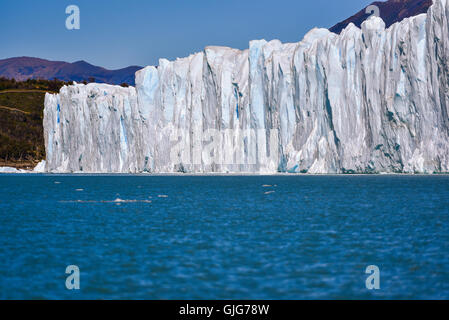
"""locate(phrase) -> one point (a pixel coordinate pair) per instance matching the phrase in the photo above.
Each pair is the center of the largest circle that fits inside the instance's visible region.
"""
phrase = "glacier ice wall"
(93, 128)
(369, 100)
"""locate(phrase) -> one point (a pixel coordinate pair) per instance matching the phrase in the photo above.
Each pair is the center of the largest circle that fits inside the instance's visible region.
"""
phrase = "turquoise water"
(257, 237)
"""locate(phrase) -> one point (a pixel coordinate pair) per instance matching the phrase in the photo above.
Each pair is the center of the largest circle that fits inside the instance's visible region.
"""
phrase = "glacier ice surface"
(40, 167)
(369, 100)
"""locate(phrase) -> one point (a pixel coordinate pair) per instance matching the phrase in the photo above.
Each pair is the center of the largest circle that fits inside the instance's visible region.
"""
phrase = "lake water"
(217, 237)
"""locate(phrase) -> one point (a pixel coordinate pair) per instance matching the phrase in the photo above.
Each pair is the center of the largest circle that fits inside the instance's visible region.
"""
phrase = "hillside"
(391, 11)
(21, 117)
(23, 68)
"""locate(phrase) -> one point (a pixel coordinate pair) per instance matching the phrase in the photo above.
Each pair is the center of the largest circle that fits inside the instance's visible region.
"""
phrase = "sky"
(118, 33)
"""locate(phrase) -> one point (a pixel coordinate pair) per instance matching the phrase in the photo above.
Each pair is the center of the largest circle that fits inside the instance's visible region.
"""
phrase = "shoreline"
(243, 174)
(20, 165)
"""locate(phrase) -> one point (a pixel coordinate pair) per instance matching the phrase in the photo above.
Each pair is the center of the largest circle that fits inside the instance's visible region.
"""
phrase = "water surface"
(218, 237)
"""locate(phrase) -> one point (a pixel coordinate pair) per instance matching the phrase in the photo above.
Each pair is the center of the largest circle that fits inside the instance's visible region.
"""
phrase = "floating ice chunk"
(116, 201)
(8, 170)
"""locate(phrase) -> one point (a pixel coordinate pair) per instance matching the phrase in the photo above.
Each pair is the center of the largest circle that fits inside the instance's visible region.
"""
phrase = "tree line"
(40, 84)
(32, 84)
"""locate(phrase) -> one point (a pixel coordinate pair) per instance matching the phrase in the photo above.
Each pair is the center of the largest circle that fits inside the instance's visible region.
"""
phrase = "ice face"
(369, 100)
(93, 128)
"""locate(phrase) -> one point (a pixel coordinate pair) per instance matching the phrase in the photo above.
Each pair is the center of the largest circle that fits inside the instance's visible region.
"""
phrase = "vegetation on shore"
(21, 118)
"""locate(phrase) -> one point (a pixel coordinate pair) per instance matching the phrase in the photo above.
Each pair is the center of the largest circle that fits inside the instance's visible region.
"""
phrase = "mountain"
(391, 11)
(369, 100)
(23, 68)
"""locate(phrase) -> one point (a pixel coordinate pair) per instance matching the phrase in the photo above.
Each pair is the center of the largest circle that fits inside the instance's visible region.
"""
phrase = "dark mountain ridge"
(391, 11)
(23, 68)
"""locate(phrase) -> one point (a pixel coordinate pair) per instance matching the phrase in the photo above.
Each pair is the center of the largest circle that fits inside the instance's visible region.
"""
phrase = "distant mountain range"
(391, 11)
(23, 68)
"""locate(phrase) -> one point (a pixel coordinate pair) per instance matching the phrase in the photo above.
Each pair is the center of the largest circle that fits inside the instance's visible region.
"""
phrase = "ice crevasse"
(369, 100)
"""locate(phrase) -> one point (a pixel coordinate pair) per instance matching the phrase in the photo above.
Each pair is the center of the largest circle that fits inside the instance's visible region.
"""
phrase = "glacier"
(369, 100)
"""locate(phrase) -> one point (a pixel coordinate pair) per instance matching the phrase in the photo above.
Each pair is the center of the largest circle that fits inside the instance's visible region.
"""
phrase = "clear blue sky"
(119, 33)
